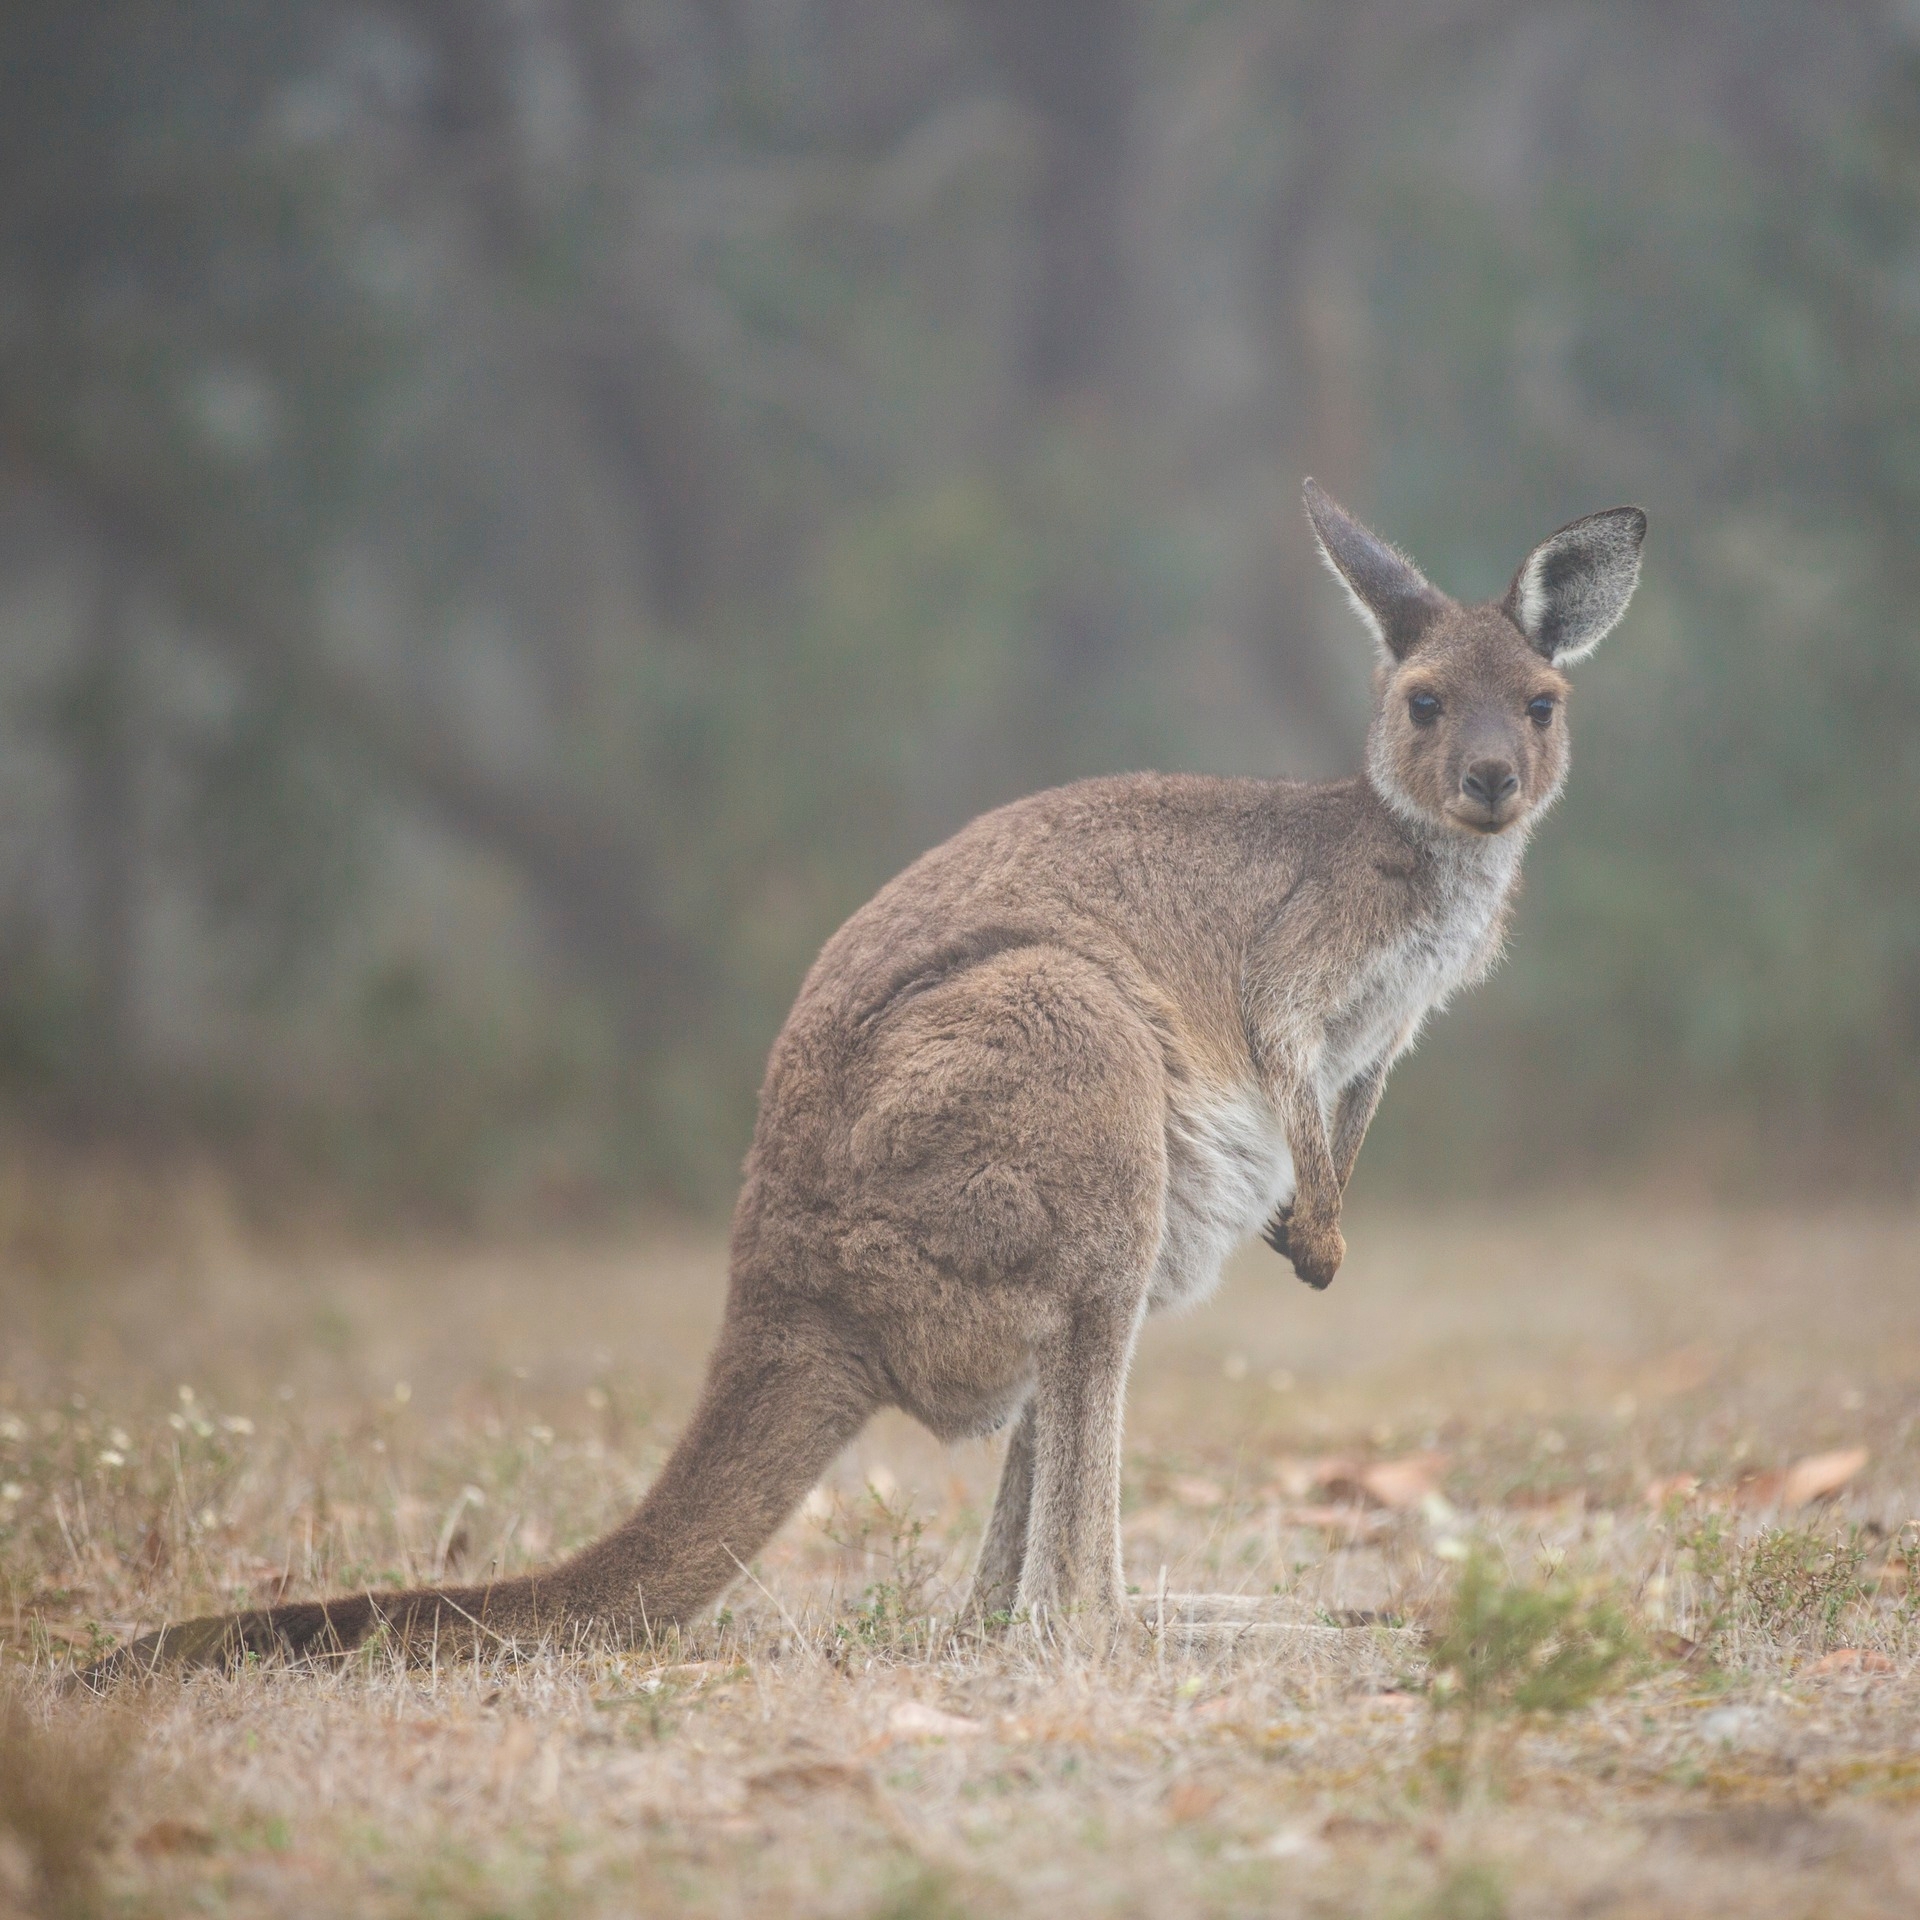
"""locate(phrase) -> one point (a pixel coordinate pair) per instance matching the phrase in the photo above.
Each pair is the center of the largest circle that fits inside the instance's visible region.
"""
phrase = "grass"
(1657, 1720)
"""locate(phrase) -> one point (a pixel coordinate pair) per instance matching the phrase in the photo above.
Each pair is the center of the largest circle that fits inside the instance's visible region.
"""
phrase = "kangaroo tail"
(780, 1401)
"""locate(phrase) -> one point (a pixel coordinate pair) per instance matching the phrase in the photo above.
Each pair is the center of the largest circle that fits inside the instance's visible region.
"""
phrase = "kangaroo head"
(1469, 734)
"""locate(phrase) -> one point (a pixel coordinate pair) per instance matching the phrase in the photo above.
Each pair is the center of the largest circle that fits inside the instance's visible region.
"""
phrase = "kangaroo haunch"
(1042, 1084)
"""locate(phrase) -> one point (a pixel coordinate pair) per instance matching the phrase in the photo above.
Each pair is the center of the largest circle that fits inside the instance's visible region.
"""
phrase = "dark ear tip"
(1321, 506)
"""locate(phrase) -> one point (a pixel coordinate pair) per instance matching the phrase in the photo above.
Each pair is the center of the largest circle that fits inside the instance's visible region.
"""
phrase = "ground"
(195, 1418)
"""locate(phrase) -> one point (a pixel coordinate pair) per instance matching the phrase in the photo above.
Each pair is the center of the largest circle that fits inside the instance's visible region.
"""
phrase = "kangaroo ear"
(1575, 585)
(1389, 593)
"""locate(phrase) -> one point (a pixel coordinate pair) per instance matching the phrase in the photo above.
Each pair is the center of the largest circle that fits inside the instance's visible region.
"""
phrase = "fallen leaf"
(1354, 1523)
(1352, 1826)
(1672, 1486)
(810, 1776)
(1853, 1660)
(1336, 1473)
(1679, 1372)
(1191, 1491)
(1405, 1482)
(1540, 1499)
(1395, 1484)
(1295, 1479)
(174, 1836)
(915, 1720)
(689, 1673)
(1192, 1800)
(1821, 1475)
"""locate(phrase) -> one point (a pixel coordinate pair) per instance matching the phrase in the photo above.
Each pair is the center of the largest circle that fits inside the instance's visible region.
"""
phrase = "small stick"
(1160, 1651)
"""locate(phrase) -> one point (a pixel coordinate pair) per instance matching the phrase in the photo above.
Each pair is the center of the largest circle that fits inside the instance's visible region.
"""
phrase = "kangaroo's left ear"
(1574, 586)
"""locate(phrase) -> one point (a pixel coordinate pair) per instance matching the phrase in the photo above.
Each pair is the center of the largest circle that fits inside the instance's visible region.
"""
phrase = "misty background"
(517, 515)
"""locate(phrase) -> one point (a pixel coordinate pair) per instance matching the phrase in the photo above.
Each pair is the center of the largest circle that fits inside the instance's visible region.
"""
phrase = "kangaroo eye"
(1540, 711)
(1423, 709)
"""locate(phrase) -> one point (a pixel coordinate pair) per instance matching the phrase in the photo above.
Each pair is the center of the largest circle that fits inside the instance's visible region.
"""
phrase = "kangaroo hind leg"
(1070, 1580)
(1003, 1553)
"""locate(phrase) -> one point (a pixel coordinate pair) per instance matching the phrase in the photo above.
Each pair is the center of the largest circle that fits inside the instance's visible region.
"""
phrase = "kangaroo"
(1041, 1085)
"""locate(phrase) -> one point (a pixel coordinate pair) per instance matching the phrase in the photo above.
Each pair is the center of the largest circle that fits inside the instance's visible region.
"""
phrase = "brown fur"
(1040, 1084)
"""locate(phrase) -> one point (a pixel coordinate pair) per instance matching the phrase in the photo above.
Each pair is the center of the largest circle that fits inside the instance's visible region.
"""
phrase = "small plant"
(895, 1608)
(1471, 1891)
(928, 1895)
(1783, 1583)
(1508, 1651)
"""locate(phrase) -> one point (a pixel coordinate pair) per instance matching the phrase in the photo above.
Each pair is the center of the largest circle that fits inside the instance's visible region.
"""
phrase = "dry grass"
(217, 1425)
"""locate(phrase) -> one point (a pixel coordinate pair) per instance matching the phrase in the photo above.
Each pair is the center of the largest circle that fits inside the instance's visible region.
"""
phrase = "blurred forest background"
(516, 515)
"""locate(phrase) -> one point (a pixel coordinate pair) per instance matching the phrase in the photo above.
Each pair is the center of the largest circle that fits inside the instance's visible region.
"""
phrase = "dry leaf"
(1192, 1491)
(1820, 1475)
(1212, 1712)
(1672, 1486)
(1397, 1698)
(688, 1673)
(1405, 1482)
(174, 1836)
(1192, 1800)
(1679, 1372)
(810, 1776)
(1853, 1660)
(914, 1720)
(1542, 1499)
(1295, 1479)
(1337, 1473)
(1353, 1826)
(1395, 1484)
(1355, 1523)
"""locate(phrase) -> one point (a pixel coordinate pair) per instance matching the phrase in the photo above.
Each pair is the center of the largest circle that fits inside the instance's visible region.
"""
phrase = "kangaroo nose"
(1491, 781)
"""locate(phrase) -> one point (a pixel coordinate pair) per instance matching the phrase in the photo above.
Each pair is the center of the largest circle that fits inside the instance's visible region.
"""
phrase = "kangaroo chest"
(1228, 1163)
(1445, 945)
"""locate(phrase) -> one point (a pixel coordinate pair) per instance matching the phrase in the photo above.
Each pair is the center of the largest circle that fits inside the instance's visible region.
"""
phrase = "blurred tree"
(557, 500)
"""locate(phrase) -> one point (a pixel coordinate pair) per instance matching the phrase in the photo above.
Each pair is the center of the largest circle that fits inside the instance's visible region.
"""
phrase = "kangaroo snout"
(1491, 782)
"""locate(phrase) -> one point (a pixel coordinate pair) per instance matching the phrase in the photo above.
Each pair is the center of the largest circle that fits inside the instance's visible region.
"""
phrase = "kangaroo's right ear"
(1389, 593)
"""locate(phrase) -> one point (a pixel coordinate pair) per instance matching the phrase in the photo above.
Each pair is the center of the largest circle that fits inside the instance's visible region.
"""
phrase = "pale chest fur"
(1446, 945)
(1228, 1163)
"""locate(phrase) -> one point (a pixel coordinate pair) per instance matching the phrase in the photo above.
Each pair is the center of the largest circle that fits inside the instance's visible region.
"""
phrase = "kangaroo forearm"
(1313, 1223)
(1316, 1182)
(1358, 1103)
